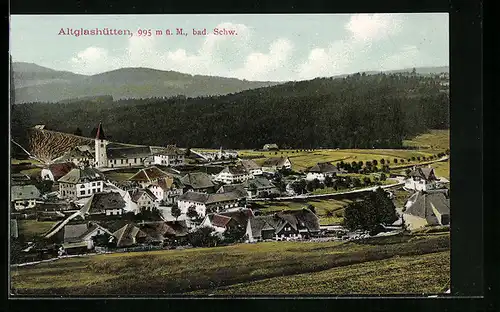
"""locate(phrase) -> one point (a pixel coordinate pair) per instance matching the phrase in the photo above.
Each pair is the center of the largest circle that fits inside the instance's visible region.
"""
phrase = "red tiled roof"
(220, 220)
(61, 169)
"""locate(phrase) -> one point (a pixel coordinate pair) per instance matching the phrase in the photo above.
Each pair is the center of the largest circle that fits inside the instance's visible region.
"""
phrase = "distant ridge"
(35, 83)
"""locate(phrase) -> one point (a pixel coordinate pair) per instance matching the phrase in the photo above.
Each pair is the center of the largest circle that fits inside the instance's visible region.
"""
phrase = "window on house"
(93, 183)
(82, 186)
(82, 193)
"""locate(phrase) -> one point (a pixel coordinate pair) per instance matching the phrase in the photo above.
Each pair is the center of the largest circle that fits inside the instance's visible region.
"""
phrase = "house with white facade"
(322, 170)
(270, 147)
(79, 155)
(144, 199)
(224, 221)
(233, 174)
(204, 203)
(109, 204)
(421, 179)
(24, 196)
(167, 189)
(169, 156)
(81, 182)
(271, 165)
(427, 208)
(252, 167)
(81, 235)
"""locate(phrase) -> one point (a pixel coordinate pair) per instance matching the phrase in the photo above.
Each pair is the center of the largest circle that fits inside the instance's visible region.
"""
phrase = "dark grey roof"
(324, 167)
(149, 174)
(423, 173)
(77, 232)
(100, 202)
(235, 170)
(167, 151)
(297, 219)
(422, 204)
(208, 198)
(78, 175)
(128, 152)
(197, 180)
(274, 161)
(23, 192)
(238, 189)
(250, 164)
(126, 235)
(258, 183)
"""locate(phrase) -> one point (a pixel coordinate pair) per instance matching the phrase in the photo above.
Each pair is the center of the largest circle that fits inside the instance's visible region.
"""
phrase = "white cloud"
(90, 60)
(259, 66)
(406, 57)
(364, 31)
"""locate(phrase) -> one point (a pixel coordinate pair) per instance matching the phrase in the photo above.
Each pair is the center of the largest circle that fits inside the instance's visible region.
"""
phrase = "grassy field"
(303, 160)
(438, 140)
(398, 275)
(321, 206)
(205, 270)
(31, 228)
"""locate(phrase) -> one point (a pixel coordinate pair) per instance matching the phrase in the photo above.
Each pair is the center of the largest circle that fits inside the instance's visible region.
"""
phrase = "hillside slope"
(360, 111)
(39, 84)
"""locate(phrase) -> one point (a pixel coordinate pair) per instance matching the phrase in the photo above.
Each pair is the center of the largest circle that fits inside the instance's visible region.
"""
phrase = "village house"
(147, 176)
(54, 172)
(79, 155)
(204, 203)
(169, 156)
(224, 221)
(259, 187)
(144, 199)
(167, 190)
(81, 182)
(322, 170)
(81, 235)
(109, 204)
(24, 196)
(233, 174)
(238, 189)
(252, 167)
(129, 235)
(159, 232)
(421, 179)
(270, 147)
(285, 225)
(427, 208)
(198, 182)
(219, 155)
(271, 165)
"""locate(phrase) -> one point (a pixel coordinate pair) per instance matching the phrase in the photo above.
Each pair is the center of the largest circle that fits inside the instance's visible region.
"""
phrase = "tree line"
(359, 111)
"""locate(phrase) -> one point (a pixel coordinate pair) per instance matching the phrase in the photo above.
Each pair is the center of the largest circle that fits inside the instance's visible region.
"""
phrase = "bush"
(204, 237)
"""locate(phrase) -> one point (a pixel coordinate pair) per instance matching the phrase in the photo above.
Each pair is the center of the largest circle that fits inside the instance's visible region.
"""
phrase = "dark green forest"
(359, 111)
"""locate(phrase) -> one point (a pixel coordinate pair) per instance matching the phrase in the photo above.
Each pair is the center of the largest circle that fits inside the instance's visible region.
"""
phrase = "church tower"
(101, 158)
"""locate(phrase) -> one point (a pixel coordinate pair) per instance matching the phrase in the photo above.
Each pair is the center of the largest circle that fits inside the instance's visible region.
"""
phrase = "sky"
(265, 47)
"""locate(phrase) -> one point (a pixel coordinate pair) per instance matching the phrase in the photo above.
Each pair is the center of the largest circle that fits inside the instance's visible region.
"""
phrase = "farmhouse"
(284, 225)
(427, 208)
(421, 179)
(109, 204)
(167, 189)
(251, 167)
(208, 202)
(56, 171)
(237, 189)
(233, 174)
(81, 182)
(270, 147)
(228, 220)
(198, 182)
(149, 175)
(24, 196)
(322, 170)
(169, 156)
(260, 187)
(271, 165)
(80, 235)
(143, 198)
(79, 155)
(129, 235)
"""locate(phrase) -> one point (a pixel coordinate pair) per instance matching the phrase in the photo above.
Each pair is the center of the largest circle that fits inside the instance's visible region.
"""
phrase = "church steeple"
(100, 133)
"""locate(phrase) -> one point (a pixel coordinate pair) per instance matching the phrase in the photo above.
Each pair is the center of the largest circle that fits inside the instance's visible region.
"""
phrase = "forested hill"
(37, 83)
(359, 111)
